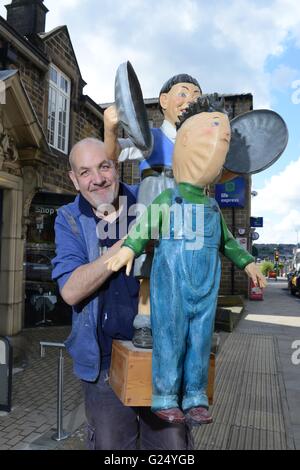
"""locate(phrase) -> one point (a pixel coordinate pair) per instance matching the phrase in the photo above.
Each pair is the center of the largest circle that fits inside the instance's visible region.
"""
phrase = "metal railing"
(60, 434)
(6, 365)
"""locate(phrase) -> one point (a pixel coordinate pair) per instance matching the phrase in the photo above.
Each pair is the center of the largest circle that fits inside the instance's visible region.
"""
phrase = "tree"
(266, 266)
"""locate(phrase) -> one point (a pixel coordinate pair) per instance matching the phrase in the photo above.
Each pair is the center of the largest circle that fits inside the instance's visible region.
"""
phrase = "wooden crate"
(130, 374)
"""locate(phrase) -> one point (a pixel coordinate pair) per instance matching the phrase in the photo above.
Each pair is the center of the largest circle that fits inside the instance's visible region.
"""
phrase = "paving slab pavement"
(279, 316)
(34, 392)
(257, 393)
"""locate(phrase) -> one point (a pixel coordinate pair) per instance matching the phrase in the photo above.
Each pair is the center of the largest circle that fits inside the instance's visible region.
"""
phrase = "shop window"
(43, 303)
(41, 226)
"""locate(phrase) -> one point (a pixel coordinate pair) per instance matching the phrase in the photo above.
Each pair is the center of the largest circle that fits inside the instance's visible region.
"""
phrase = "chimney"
(27, 17)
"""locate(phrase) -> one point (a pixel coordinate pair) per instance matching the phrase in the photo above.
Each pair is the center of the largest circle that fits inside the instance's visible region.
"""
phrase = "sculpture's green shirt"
(140, 234)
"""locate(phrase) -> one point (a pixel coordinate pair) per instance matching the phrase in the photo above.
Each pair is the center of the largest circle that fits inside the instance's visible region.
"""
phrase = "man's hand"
(124, 257)
(255, 274)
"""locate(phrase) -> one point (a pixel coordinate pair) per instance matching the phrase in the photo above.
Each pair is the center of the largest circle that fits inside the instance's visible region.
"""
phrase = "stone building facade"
(43, 112)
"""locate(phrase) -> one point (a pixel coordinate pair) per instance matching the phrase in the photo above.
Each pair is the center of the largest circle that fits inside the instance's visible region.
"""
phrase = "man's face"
(94, 175)
(178, 99)
(201, 147)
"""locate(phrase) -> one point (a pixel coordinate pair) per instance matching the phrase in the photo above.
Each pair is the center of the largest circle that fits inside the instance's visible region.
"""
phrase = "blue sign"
(256, 221)
(232, 193)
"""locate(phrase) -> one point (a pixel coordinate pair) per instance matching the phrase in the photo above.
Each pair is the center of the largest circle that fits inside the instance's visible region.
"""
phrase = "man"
(104, 303)
(156, 174)
(186, 268)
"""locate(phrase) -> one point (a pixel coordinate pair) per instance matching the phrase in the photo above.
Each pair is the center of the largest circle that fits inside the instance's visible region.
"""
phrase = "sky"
(230, 46)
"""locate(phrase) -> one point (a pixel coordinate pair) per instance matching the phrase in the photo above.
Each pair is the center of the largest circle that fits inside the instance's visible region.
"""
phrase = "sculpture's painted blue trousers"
(184, 289)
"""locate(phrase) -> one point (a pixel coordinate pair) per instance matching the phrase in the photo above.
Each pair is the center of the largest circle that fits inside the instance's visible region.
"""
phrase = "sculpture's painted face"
(178, 99)
(201, 147)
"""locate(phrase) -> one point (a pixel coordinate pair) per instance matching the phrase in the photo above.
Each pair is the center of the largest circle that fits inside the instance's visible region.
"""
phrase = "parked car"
(289, 275)
(272, 275)
(294, 283)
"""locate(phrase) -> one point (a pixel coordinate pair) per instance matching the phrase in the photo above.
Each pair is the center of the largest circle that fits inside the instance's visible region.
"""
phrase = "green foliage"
(266, 266)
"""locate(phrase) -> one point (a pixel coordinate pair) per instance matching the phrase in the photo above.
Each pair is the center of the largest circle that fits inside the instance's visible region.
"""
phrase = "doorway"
(43, 303)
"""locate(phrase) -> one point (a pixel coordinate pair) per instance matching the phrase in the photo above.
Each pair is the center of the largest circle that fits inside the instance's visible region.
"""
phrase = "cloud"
(224, 43)
(279, 201)
(281, 230)
(283, 77)
(281, 191)
(58, 11)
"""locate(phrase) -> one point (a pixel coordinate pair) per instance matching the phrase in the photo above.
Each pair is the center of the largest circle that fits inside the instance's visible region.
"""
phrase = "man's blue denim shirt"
(77, 244)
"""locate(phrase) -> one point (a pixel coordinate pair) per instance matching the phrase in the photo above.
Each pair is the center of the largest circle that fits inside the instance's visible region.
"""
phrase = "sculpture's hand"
(124, 257)
(111, 142)
(255, 274)
(111, 119)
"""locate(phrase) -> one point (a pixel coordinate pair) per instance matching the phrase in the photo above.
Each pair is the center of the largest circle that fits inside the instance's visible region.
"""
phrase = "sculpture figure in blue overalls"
(186, 270)
(156, 175)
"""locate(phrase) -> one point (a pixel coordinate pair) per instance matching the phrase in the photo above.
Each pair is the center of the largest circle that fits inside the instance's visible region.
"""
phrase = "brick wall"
(240, 219)
(83, 122)
(86, 125)
(155, 115)
(56, 173)
(59, 49)
(35, 83)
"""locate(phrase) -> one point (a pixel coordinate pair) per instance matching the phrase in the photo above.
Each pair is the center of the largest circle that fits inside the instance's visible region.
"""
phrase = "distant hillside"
(267, 250)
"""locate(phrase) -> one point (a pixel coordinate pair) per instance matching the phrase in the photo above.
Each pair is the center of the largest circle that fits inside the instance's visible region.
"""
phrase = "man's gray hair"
(81, 144)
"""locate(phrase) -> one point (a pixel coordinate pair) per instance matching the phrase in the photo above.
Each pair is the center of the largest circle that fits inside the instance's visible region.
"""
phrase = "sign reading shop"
(47, 210)
(232, 193)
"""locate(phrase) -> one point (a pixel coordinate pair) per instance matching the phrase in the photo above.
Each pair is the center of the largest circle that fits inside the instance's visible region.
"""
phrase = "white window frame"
(58, 130)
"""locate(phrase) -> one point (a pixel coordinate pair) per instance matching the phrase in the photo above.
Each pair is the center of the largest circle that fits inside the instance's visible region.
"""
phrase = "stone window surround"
(66, 95)
(12, 253)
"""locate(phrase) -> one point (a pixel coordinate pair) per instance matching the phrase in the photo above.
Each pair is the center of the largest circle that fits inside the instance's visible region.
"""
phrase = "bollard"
(6, 360)
(61, 434)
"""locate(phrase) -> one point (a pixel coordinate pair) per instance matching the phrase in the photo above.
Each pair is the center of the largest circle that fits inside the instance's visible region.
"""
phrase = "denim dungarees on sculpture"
(182, 315)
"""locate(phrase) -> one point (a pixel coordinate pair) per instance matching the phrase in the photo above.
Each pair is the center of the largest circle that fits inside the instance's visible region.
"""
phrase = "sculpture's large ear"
(258, 138)
(163, 100)
(131, 108)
